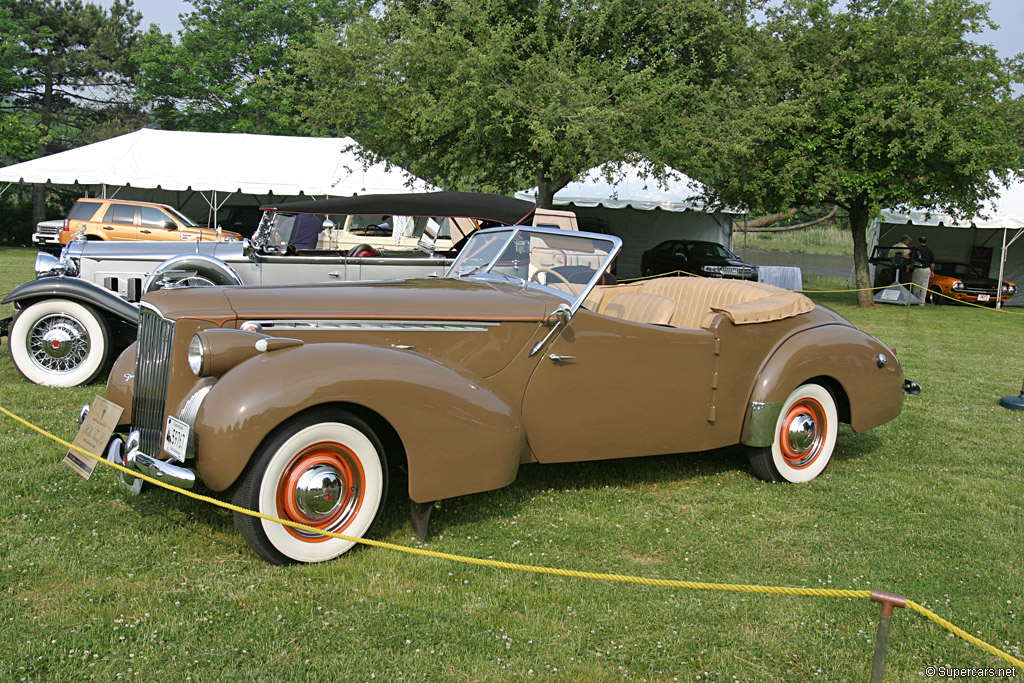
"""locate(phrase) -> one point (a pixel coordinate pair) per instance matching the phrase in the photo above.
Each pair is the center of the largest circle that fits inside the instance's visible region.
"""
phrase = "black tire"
(810, 411)
(937, 297)
(59, 343)
(338, 462)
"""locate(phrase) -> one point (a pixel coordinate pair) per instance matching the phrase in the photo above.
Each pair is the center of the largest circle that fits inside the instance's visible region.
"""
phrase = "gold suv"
(121, 220)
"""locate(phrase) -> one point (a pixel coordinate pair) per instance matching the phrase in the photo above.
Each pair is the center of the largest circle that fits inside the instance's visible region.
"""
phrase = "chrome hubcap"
(802, 432)
(58, 343)
(319, 492)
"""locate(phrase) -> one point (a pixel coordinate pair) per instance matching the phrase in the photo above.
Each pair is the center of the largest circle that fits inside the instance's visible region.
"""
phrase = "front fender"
(837, 355)
(459, 437)
(78, 290)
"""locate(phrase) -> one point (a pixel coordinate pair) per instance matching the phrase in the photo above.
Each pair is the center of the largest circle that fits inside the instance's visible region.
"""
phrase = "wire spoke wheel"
(58, 343)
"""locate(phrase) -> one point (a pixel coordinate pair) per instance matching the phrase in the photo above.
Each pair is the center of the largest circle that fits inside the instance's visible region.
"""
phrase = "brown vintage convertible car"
(298, 398)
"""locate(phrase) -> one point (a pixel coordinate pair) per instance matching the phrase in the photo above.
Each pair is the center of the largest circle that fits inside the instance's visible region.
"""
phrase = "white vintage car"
(82, 308)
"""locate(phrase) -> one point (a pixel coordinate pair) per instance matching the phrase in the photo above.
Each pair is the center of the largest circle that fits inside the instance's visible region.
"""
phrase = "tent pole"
(1002, 268)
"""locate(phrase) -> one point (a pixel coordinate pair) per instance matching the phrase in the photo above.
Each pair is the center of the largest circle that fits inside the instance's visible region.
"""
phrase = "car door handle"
(107, 227)
(335, 274)
(145, 232)
(558, 358)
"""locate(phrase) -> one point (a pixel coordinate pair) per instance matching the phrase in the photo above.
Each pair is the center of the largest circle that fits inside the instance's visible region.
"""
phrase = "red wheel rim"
(337, 503)
(803, 433)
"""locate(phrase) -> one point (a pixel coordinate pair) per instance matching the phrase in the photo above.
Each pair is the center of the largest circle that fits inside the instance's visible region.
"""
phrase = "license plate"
(176, 438)
(983, 297)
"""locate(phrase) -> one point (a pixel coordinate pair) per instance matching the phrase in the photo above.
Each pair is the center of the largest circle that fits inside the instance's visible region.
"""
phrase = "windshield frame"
(483, 271)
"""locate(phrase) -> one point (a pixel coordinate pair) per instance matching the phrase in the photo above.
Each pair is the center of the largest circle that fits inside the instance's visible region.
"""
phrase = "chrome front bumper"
(127, 454)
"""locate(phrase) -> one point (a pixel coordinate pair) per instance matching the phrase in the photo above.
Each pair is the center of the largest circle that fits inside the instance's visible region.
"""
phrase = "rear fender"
(458, 436)
(840, 357)
(74, 289)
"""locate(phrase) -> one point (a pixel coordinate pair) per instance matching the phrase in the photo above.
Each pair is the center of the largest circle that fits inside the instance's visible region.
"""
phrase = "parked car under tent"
(642, 211)
(990, 240)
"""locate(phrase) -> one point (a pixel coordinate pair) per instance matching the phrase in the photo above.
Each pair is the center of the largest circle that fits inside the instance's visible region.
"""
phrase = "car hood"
(420, 299)
(157, 250)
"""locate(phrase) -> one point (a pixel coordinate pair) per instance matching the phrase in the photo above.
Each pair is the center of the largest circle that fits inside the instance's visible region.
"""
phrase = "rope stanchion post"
(889, 601)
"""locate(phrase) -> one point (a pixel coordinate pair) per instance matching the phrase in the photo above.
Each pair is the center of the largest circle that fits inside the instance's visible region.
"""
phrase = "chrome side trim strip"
(759, 423)
(372, 325)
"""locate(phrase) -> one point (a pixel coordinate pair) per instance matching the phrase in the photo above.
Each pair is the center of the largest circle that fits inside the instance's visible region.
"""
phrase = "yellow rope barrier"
(535, 569)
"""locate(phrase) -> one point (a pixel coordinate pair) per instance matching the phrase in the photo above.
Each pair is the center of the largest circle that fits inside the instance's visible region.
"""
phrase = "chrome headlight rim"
(197, 355)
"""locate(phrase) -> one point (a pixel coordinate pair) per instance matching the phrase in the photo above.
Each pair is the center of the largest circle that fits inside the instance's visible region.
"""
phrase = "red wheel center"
(322, 487)
(803, 433)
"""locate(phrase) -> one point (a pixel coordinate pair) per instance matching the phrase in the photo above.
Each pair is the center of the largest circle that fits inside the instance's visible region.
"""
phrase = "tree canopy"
(64, 68)
(226, 71)
(886, 103)
(504, 94)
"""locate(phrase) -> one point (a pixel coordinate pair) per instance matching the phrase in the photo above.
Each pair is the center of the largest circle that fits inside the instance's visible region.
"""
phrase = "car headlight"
(957, 286)
(1009, 288)
(717, 270)
(196, 355)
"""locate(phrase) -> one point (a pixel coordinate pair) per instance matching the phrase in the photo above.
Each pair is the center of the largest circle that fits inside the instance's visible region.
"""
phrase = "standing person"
(922, 262)
(306, 231)
(900, 254)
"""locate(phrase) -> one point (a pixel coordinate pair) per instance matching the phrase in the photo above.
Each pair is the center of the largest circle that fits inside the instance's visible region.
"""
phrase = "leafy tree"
(64, 61)
(887, 103)
(502, 94)
(64, 64)
(225, 71)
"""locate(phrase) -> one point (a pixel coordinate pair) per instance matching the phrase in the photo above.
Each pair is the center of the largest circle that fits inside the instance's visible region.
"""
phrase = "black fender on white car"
(190, 270)
(65, 330)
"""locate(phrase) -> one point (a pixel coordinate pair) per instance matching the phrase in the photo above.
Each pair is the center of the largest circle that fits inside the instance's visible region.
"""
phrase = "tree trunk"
(859, 228)
(547, 186)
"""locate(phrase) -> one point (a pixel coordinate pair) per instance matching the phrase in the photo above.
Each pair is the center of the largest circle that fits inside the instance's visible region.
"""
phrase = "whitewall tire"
(58, 343)
(804, 438)
(325, 469)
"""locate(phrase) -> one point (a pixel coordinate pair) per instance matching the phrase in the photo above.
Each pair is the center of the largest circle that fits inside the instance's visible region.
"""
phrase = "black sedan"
(694, 257)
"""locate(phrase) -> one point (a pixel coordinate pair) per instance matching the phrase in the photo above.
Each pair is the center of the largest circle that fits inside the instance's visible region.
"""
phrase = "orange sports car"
(960, 281)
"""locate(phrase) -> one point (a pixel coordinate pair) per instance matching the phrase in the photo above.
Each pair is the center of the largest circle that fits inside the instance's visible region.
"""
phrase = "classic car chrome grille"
(152, 371)
(48, 229)
(978, 290)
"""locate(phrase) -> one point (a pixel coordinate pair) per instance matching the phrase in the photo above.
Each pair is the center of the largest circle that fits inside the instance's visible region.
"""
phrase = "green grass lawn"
(97, 583)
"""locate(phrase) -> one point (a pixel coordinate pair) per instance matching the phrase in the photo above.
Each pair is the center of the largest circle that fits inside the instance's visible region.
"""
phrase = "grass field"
(817, 239)
(96, 583)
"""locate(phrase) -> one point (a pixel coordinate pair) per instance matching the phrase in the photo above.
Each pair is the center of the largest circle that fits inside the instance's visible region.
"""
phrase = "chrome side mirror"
(328, 224)
(559, 318)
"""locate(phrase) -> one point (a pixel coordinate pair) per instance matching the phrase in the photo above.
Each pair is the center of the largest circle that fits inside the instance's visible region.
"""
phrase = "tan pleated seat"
(639, 307)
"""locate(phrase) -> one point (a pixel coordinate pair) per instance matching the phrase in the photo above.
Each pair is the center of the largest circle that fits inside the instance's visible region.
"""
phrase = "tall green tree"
(886, 103)
(502, 94)
(226, 70)
(66, 65)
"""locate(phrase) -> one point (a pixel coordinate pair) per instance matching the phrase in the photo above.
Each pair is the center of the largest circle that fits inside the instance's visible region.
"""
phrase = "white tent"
(641, 211)
(216, 166)
(984, 239)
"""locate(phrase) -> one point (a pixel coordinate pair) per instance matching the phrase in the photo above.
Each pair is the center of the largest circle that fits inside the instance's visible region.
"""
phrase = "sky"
(1009, 14)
